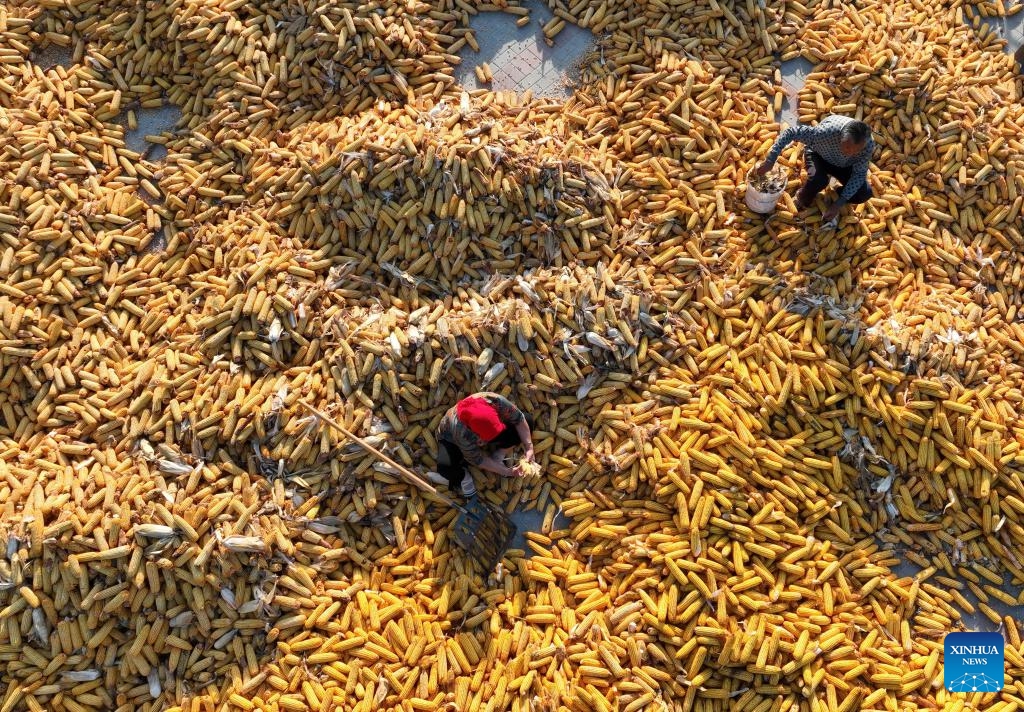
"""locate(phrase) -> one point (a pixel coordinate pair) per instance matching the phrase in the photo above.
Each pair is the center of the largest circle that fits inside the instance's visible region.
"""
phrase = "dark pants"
(823, 171)
(451, 463)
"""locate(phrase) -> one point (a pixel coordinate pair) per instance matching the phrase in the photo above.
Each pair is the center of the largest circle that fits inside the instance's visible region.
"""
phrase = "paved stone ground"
(976, 621)
(519, 58)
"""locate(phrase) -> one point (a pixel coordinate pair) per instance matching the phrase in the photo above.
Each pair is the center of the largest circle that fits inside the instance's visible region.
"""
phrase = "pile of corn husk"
(747, 424)
(773, 181)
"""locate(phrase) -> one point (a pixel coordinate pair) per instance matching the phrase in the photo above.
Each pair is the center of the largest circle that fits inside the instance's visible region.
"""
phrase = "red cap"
(480, 416)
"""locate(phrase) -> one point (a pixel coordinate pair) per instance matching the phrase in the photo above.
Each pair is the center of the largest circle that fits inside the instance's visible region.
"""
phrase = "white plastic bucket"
(762, 202)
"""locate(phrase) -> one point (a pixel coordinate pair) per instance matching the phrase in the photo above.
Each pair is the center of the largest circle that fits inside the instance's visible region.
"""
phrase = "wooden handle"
(411, 476)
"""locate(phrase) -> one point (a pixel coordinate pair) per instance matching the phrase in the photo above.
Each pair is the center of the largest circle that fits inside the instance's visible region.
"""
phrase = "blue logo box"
(973, 662)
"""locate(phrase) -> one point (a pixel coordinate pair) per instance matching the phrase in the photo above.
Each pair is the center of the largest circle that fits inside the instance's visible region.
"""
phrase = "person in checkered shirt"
(838, 147)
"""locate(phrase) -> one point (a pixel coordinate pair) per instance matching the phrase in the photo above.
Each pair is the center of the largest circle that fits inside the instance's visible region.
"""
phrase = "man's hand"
(529, 452)
(762, 168)
(832, 213)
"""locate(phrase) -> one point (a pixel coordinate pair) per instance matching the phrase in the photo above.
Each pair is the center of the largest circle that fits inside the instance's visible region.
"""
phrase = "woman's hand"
(525, 437)
(493, 464)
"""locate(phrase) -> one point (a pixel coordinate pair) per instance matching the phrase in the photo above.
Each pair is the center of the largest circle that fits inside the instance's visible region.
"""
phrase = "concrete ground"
(151, 122)
(51, 56)
(1010, 28)
(519, 58)
(794, 74)
(532, 521)
(976, 621)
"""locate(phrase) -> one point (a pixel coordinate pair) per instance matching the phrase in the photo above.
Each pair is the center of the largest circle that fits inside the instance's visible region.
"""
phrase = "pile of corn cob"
(747, 423)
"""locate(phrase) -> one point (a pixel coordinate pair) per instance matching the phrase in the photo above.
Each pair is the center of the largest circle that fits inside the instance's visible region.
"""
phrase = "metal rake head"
(484, 532)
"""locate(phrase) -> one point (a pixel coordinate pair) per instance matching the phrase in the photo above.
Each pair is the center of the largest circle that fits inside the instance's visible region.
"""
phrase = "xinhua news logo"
(973, 662)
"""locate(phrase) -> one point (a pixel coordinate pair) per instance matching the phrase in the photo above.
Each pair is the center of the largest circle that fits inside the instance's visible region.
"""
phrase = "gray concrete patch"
(157, 153)
(1009, 28)
(532, 521)
(794, 74)
(151, 122)
(788, 116)
(976, 621)
(51, 56)
(158, 243)
(519, 58)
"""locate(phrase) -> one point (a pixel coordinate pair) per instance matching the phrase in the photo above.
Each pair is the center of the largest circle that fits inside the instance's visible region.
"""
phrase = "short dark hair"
(857, 131)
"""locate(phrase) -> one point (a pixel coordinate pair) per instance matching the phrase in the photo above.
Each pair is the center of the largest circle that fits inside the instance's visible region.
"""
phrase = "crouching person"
(481, 430)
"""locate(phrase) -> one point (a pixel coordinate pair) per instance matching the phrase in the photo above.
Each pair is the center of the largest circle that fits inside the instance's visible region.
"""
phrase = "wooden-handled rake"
(482, 530)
